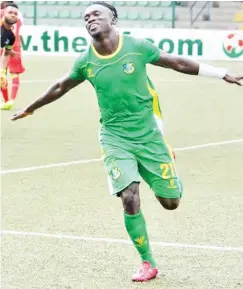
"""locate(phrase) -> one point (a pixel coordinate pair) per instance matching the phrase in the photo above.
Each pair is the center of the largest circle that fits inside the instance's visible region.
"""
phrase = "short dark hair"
(12, 5)
(109, 6)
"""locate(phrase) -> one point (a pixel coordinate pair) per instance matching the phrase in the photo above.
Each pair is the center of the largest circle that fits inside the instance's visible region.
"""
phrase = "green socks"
(136, 228)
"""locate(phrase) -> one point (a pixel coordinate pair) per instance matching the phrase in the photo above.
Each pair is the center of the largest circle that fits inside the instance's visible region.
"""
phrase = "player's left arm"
(188, 66)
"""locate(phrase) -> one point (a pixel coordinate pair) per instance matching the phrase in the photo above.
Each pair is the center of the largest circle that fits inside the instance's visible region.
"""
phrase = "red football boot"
(145, 273)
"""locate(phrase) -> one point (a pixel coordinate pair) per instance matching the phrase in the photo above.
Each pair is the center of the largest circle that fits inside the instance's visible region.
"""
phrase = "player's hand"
(3, 78)
(20, 114)
(234, 79)
(3, 81)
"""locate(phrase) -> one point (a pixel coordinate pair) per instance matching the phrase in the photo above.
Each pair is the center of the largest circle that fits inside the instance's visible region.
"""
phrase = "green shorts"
(126, 162)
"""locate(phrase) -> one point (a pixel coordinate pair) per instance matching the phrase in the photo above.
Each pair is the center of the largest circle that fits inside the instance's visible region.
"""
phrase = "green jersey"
(127, 101)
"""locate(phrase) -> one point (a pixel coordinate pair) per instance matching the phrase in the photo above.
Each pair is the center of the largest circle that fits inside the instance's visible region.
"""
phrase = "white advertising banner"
(199, 44)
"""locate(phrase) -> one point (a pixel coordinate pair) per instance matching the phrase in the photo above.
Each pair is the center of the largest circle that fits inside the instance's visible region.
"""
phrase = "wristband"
(211, 71)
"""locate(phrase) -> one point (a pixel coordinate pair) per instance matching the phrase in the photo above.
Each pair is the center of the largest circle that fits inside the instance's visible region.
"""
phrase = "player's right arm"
(56, 90)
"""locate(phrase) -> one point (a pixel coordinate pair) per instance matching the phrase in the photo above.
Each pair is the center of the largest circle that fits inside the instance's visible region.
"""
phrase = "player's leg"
(130, 199)
(157, 168)
(167, 203)
(122, 169)
(135, 223)
(15, 68)
(15, 85)
(136, 227)
(4, 83)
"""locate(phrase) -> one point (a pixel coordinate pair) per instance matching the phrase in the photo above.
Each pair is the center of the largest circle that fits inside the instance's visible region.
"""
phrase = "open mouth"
(93, 26)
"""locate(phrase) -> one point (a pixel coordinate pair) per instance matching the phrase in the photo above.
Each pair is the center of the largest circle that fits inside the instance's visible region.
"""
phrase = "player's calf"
(15, 85)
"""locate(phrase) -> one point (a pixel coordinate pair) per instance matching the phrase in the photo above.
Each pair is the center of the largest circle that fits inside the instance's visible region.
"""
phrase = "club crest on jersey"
(90, 73)
(128, 67)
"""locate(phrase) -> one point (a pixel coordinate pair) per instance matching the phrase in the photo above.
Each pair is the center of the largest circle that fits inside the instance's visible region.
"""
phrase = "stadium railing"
(206, 6)
(70, 13)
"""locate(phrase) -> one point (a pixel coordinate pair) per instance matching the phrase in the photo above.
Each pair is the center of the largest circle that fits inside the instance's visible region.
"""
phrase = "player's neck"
(107, 44)
(6, 25)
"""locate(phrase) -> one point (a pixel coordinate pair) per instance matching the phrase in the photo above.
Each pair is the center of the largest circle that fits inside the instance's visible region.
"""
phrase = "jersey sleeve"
(77, 71)
(149, 51)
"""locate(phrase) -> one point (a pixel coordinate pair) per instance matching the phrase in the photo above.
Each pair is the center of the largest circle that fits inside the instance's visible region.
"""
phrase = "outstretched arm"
(54, 92)
(192, 67)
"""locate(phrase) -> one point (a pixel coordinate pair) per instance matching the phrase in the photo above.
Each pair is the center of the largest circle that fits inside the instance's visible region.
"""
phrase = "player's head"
(11, 13)
(99, 18)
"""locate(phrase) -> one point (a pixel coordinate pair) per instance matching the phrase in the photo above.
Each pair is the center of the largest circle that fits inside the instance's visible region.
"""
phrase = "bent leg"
(157, 168)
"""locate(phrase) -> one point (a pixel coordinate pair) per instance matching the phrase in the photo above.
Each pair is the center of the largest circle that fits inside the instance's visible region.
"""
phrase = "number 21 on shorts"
(168, 173)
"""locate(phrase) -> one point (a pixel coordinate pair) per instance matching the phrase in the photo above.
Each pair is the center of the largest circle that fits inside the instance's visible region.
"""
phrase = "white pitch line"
(120, 241)
(65, 164)
(212, 144)
(35, 168)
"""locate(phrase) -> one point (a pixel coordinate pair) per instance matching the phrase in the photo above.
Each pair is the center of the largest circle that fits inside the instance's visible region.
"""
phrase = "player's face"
(98, 20)
(11, 15)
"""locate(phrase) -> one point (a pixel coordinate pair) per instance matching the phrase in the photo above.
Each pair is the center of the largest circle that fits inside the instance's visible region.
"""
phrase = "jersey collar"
(111, 55)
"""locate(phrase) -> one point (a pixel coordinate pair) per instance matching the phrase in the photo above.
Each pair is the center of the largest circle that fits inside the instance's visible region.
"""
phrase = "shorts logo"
(128, 68)
(115, 174)
(172, 184)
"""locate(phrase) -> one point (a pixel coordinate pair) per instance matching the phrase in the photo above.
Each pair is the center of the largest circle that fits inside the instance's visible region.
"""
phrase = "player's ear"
(113, 21)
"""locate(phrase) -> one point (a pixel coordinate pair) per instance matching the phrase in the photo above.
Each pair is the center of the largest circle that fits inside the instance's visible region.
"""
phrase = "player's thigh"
(157, 168)
(121, 167)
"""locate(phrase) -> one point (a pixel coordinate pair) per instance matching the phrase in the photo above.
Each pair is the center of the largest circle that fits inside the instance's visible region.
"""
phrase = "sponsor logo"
(233, 45)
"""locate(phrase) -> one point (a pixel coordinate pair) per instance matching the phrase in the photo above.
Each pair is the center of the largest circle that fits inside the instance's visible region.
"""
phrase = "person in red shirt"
(15, 66)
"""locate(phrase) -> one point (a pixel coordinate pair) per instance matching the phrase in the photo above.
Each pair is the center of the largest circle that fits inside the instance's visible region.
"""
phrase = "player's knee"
(130, 199)
(169, 204)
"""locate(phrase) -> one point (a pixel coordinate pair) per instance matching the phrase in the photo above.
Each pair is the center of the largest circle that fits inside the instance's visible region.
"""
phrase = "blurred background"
(147, 14)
